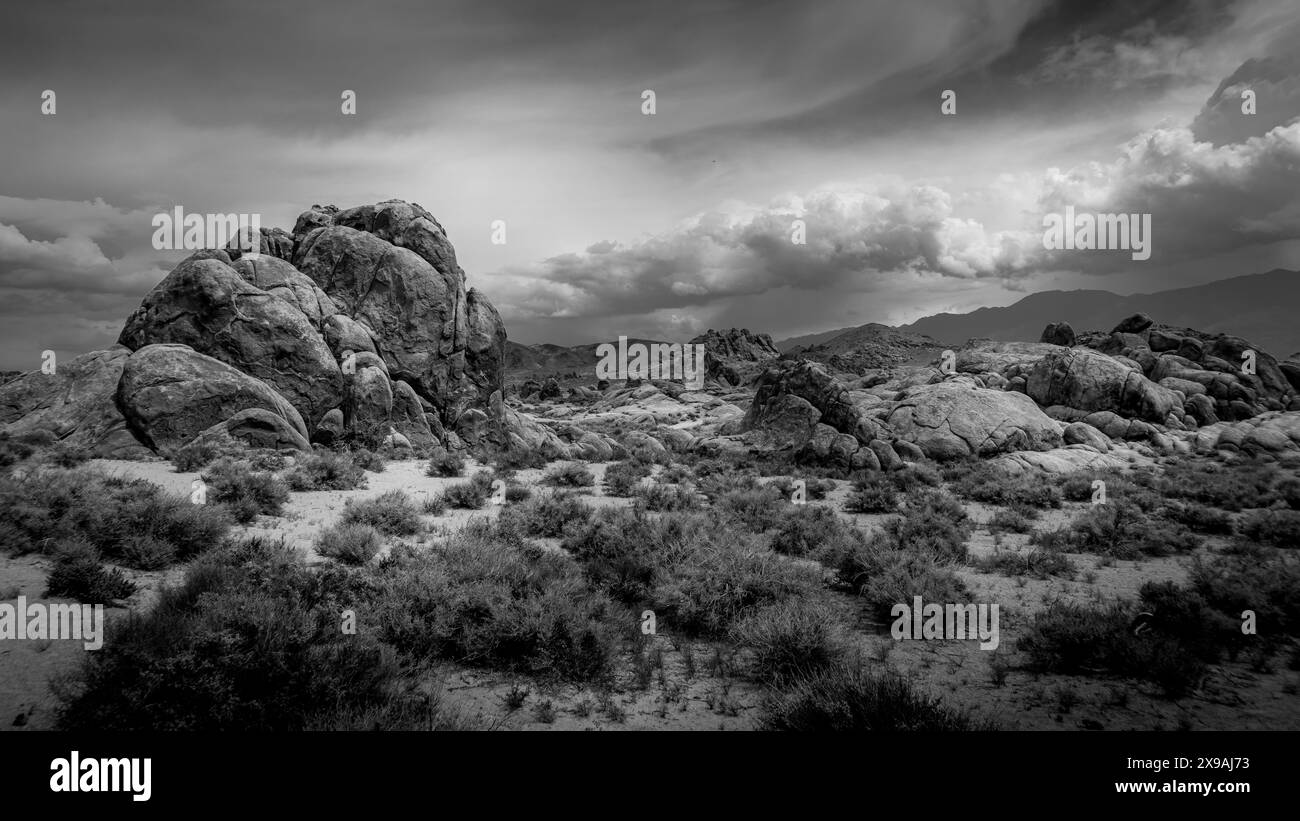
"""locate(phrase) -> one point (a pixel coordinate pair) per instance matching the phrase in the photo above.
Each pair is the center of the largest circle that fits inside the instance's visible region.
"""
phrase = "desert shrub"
(913, 477)
(932, 524)
(617, 549)
(353, 544)
(518, 493)
(1280, 528)
(815, 488)
(1135, 488)
(1198, 518)
(1072, 638)
(196, 455)
(1288, 492)
(391, 512)
(434, 504)
(445, 463)
(246, 491)
(757, 510)
(66, 455)
(482, 603)
(465, 495)
(78, 574)
(716, 485)
(795, 637)
(249, 642)
(147, 552)
(872, 494)
(1041, 564)
(1208, 483)
(569, 474)
(621, 478)
(986, 482)
(675, 474)
(717, 578)
(110, 513)
(1121, 529)
(1011, 520)
(1174, 651)
(371, 460)
(847, 698)
(546, 515)
(894, 577)
(1265, 580)
(724, 465)
(327, 470)
(666, 498)
(805, 529)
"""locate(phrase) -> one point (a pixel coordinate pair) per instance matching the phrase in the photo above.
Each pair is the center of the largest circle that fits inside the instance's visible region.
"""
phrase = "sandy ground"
(697, 685)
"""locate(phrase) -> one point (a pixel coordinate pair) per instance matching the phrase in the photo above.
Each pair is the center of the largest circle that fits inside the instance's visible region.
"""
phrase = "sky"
(663, 224)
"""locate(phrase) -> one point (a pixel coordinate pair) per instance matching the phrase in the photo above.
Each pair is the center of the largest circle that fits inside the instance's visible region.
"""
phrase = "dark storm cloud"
(767, 112)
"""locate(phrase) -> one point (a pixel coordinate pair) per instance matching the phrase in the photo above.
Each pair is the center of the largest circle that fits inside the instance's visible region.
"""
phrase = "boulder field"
(358, 325)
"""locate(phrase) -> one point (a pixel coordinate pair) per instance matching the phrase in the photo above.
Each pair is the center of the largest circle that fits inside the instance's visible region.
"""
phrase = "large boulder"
(809, 381)
(1091, 381)
(255, 428)
(735, 356)
(170, 394)
(368, 400)
(207, 306)
(1004, 358)
(784, 421)
(77, 403)
(1058, 333)
(956, 419)
(390, 267)
(281, 280)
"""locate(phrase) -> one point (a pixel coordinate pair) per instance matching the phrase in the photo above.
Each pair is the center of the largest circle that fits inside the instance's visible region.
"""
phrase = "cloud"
(853, 238)
(1204, 199)
(1140, 55)
(1275, 82)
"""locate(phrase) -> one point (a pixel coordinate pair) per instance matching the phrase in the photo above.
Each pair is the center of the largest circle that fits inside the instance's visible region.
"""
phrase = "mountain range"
(1257, 307)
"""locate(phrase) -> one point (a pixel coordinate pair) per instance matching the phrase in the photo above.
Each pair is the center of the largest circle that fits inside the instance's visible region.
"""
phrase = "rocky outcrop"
(811, 382)
(77, 403)
(256, 428)
(1091, 381)
(956, 419)
(391, 268)
(735, 356)
(357, 323)
(1058, 333)
(170, 394)
(1273, 435)
(206, 305)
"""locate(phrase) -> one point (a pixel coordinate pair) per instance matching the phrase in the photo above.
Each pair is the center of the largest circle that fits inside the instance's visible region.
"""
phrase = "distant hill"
(1257, 307)
(871, 346)
(543, 359)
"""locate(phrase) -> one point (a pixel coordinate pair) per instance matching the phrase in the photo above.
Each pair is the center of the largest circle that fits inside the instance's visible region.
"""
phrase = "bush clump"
(327, 470)
(847, 698)
(444, 463)
(353, 544)
(622, 478)
(391, 512)
(247, 492)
